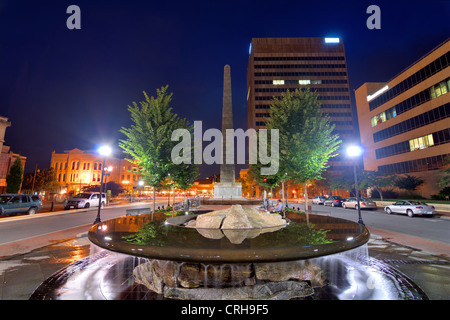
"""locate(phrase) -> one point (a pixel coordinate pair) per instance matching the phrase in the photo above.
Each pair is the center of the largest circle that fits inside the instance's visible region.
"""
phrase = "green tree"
(184, 174)
(373, 179)
(408, 182)
(149, 139)
(14, 177)
(444, 181)
(307, 140)
(43, 180)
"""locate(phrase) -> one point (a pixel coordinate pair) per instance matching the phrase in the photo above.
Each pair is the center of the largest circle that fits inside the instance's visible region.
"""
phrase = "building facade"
(279, 64)
(7, 157)
(404, 123)
(76, 169)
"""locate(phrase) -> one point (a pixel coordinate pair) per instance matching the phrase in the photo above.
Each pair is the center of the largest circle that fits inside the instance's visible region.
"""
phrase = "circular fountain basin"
(306, 236)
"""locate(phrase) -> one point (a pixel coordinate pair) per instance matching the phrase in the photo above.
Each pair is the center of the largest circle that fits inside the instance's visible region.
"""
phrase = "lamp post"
(103, 151)
(354, 152)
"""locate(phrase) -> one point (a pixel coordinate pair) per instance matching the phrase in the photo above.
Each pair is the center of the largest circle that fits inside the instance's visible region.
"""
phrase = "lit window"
(277, 82)
(421, 142)
(304, 82)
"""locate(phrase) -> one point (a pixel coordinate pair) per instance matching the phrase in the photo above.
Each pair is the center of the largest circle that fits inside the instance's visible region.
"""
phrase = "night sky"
(65, 89)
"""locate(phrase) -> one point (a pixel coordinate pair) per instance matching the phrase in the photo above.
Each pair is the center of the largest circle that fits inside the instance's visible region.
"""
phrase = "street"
(21, 227)
(430, 228)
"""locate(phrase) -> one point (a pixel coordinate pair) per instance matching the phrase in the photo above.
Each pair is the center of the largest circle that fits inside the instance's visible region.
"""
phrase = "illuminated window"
(439, 89)
(382, 117)
(304, 82)
(421, 143)
(277, 82)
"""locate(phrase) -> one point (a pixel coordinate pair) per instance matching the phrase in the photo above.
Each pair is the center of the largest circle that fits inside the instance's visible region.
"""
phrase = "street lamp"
(104, 151)
(354, 151)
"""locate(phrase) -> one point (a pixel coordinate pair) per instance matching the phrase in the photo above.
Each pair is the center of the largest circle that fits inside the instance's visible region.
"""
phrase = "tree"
(444, 181)
(14, 177)
(373, 179)
(43, 180)
(306, 139)
(149, 139)
(408, 182)
(185, 173)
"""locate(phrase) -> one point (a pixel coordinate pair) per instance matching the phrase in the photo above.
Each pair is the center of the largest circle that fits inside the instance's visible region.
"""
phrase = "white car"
(410, 207)
(319, 200)
(85, 200)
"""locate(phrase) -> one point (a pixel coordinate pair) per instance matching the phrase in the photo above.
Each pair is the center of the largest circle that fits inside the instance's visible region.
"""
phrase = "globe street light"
(104, 151)
(355, 151)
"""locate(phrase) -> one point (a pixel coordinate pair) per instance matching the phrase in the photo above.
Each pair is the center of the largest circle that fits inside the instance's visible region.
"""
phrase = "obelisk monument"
(227, 188)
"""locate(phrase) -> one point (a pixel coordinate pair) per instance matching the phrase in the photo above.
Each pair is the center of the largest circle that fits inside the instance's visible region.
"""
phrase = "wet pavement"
(21, 275)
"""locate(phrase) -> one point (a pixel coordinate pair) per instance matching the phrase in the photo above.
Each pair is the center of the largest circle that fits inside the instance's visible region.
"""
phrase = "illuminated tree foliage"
(149, 142)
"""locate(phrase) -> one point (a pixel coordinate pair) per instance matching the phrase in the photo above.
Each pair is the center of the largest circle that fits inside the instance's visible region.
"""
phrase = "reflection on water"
(157, 233)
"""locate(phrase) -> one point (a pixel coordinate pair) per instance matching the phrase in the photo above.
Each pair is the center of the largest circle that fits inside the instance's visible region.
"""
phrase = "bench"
(135, 212)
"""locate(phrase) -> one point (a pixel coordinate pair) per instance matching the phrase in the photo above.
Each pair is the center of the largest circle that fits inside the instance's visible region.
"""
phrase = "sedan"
(334, 201)
(318, 200)
(410, 207)
(364, 203)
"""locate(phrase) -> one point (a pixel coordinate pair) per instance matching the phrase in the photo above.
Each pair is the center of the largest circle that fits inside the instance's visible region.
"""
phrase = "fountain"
(307, 257)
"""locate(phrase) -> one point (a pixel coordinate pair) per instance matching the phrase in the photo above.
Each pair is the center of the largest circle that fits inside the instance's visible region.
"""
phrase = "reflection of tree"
(295, 234)
(151, 233)
(156, 233)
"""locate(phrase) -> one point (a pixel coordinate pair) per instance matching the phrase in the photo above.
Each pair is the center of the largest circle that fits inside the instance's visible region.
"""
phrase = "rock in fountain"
(236, 223)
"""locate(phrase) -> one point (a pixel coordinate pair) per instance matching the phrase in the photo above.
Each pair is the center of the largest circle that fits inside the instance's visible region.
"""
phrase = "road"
(430, 228)
(22, 227)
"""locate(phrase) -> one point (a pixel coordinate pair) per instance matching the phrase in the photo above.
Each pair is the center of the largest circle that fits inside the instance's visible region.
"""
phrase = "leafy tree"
(14, 177)
(149, 139)
(373, 179)
(408, 182)
(44, 180)
(444, 181)
(306, 136)
(184, 174)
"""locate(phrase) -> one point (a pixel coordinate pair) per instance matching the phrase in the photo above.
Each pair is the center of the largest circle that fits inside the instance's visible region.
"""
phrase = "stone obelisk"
(227, 188)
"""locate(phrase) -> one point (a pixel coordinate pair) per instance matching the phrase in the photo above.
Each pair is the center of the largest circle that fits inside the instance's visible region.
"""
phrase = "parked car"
(334, 201)
(19, 203)
(363, 202)
(318, 200)
(410, 207)
(85, 200)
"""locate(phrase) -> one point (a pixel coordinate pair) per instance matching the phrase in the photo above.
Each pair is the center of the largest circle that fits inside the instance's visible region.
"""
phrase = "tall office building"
(404, 123)
(278, 64)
